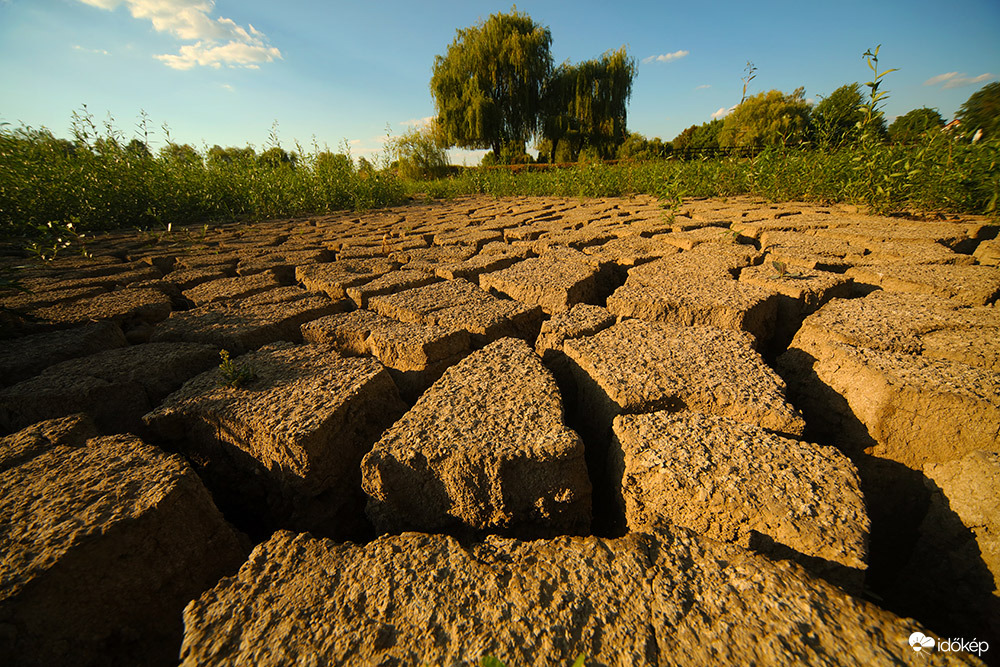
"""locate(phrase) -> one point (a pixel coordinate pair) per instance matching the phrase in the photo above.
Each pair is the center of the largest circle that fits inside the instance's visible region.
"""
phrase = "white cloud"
(722, 112)
(229, 87)
(956, 80)
(935, 80)
(218, 41)
(666, 57)
(100, 52)
(960, 81)
(232, 54)
(418, 122)
(703, 86)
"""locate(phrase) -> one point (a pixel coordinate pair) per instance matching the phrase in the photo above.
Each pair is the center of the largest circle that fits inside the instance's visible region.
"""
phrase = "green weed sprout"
(873, 108)
(783, 271)
(233, 374)
(751, 74)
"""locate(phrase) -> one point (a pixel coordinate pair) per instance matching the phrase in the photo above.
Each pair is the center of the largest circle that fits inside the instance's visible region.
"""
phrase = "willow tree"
(768, 119)
(585, 104)
(488, 87)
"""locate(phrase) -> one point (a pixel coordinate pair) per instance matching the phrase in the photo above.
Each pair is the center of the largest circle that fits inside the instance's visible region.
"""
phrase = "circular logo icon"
(919, 641)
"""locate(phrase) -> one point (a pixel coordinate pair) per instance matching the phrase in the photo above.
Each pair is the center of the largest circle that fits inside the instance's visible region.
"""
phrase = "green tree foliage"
(181, 154)
(982, 112)
(911, 125)
(334, 162)
(545, 154)
(277, 157)
(838, 117)
(138, 148)
(488, 87)
(638, 147)
(420, 155)
(698, 139)
(218, 155)
(511, 152)
(586, 104)
(768, 119)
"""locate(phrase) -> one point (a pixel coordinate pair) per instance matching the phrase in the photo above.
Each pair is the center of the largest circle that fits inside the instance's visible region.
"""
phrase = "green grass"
(938, 175)
(101, 183)
(54, 193)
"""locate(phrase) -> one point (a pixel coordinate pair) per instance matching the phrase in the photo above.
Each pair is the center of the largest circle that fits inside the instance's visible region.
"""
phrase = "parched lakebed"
(533, 428)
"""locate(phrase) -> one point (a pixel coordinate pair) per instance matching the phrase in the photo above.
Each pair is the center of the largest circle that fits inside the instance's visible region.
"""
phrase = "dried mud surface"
(532, 428)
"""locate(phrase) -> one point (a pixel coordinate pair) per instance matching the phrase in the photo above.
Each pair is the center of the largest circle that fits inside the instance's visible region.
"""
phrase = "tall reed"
(101, 182)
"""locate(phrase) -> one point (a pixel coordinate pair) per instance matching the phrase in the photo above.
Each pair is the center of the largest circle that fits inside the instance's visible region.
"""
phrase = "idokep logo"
(921, 642)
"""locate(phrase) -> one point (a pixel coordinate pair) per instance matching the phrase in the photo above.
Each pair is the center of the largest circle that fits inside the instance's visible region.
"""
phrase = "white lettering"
(967, 646)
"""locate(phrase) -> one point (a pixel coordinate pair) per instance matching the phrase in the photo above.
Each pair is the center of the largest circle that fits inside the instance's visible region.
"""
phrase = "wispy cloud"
(226, 86)
(218, 42)
(366, 148)
(722, 112)
(666, 57)
(935, 80)
(100, 52)
(418, 122)
(703, 86)
(956, 80)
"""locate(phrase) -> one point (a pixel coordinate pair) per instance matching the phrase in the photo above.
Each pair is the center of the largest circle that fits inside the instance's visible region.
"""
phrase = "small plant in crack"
(731, 233)
(233, 374)
(673, 204)
(783, 272)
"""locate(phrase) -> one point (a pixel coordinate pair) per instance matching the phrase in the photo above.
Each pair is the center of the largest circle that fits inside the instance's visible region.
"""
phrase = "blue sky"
(223, 72)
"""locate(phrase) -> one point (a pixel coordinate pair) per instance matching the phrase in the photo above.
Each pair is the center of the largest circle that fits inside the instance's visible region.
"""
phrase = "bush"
(97, 183)
(837, 118)
(698, 140)
(767, 119)
(935, 174)
(638, 147)
(54, 191)
(982, 112)
(420, 155)
(912, 125)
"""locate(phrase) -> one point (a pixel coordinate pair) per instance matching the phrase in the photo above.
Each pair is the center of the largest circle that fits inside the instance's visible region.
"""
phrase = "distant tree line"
(776, 119)
(496, 88)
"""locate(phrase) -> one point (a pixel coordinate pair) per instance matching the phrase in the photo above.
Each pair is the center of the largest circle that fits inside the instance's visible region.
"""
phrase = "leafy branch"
(751, 74)
(873, 108)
